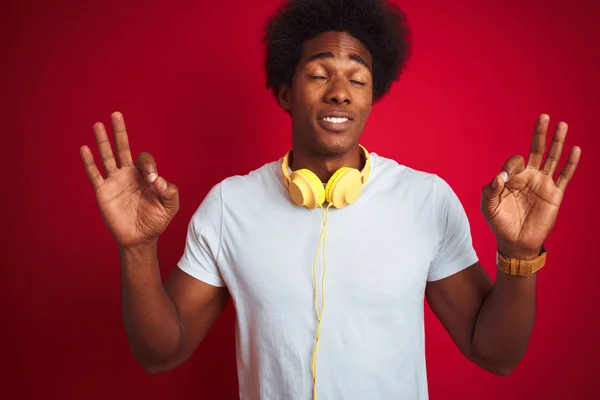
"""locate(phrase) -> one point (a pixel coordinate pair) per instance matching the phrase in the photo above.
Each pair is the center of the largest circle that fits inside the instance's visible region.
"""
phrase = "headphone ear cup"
(306, 189)
(344, 187)
(335, 178)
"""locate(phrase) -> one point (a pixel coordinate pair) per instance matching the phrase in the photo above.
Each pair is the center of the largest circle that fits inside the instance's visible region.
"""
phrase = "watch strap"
(515, 267)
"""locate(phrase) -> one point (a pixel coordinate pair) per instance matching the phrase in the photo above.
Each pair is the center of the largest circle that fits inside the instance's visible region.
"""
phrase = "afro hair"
(379, 25)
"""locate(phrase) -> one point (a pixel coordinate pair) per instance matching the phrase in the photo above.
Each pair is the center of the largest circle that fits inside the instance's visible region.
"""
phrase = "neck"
(324, 166)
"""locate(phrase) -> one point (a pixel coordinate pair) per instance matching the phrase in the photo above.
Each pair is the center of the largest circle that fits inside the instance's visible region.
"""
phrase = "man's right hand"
(136, 203)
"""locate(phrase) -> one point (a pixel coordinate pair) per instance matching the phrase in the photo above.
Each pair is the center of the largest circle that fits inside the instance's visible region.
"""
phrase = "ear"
(285, 96)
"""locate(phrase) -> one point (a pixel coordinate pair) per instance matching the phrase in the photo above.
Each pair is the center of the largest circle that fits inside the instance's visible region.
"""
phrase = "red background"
(189, 81)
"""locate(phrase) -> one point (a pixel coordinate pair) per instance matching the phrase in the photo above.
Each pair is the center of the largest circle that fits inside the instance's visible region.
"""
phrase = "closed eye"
(357, 82)
(317, 77)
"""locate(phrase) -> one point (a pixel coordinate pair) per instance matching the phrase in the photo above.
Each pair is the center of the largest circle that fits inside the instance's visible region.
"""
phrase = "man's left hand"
(521, 203)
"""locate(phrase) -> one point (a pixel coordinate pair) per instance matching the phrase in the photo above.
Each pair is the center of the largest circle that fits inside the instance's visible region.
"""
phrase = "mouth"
(335, 124)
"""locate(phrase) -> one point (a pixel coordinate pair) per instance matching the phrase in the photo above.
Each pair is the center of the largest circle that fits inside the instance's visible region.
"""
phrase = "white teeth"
(335, 120)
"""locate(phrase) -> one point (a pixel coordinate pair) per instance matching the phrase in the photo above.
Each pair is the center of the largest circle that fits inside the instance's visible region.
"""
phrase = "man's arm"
(165, 323)
(490, 323)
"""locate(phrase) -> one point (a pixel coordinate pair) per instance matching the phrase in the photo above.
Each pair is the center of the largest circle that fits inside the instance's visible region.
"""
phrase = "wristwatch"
(514, 267)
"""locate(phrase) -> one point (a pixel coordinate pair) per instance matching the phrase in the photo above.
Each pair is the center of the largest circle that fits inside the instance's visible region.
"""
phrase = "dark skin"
(490, 323)
(333, 75)
(165, 322)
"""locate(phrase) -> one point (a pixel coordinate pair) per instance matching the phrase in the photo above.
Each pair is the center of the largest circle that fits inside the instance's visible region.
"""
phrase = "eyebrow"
(329, 55)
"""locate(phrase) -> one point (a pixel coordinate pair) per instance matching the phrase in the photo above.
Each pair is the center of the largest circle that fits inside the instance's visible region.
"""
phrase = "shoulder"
(251, 191)
(265, 177)
(238, 193)
(247, 184)
(417, 190)
(387, 171)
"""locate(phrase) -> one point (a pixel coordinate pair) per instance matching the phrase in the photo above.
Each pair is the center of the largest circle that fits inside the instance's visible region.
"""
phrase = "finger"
(168, 193)
(91, 169)
(538, 142)
(492, 190)
(147, 166)
(106, 154)
(490, 195)
(513, 166)
(558, 141)
(121, 140)
(569, 169)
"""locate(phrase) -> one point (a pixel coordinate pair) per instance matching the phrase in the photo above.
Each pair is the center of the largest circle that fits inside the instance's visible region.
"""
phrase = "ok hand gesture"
(136, 203)
(522, 202)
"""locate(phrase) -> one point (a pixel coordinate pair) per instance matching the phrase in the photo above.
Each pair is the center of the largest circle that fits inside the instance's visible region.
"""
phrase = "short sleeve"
(455, 245)
(203, 240)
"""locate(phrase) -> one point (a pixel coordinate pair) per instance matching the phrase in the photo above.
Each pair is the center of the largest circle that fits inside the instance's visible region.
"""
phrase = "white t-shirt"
(406, 228)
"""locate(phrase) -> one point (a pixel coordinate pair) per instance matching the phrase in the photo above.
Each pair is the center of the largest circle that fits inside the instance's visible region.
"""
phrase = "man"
(349, 325)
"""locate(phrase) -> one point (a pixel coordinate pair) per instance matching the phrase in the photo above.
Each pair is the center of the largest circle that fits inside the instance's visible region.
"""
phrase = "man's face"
(331, 94)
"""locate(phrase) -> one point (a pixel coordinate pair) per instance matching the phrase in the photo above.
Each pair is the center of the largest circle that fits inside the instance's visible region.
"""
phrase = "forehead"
(340, 44)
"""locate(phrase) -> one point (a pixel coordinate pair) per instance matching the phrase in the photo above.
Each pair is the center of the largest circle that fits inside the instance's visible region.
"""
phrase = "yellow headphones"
(342, 189)
(306, 189)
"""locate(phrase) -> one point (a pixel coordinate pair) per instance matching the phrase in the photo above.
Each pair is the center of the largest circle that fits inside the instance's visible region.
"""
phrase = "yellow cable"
(323, 237)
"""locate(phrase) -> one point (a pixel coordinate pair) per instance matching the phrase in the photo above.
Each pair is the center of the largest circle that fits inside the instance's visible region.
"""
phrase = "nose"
(338, 92)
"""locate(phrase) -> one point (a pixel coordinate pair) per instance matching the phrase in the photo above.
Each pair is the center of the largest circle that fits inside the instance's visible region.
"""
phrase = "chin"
(325, 142)
(333, 145)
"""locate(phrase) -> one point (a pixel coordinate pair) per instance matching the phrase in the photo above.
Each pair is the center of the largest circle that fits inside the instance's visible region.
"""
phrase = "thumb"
(513, 166)
(491, 192)
(168, 194)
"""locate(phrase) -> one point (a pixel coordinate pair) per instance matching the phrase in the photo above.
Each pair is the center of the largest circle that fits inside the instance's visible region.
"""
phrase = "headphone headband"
(364, 173)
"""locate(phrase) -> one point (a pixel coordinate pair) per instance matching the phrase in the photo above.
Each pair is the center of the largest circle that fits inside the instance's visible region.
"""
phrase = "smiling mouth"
(335, 120)
(335, 124)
